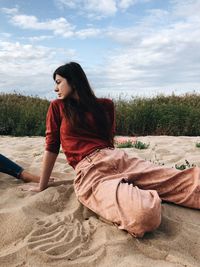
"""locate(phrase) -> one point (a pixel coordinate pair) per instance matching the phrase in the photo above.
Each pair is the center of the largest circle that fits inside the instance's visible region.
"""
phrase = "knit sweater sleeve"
(53, 122)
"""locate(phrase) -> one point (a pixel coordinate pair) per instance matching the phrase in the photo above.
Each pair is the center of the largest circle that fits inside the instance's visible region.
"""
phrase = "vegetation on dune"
(22, 115)
(161, 115)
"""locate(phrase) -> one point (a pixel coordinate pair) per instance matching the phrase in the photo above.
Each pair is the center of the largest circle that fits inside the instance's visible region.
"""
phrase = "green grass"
(125, 144)
(161, 115)
(197, 144)
(22, 115)
(187, 165)
(141, 145)
(129, 143)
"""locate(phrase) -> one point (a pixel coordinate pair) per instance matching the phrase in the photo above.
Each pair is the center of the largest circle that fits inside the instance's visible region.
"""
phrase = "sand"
(52, 228)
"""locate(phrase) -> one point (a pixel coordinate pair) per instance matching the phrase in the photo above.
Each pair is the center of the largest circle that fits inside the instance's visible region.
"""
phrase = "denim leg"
(9, 167)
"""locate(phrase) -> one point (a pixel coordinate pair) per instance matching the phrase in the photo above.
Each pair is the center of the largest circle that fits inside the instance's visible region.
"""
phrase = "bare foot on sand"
(28, 177)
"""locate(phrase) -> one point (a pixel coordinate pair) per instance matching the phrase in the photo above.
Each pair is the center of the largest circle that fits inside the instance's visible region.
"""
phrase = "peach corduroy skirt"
(128, 190)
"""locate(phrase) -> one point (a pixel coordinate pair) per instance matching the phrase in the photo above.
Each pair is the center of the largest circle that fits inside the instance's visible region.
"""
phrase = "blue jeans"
(9, 167)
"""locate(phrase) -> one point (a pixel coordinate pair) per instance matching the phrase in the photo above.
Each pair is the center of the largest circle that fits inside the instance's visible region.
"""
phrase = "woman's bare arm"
(47, 167)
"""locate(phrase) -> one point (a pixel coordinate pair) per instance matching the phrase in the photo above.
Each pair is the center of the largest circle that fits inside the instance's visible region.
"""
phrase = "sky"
(126, 47)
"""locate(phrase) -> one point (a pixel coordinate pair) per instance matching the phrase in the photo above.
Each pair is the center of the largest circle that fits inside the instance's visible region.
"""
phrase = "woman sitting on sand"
(9, 167)
(123, 189)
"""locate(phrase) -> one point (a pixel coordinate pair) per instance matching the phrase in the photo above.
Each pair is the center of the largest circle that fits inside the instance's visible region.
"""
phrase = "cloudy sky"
(126, 47)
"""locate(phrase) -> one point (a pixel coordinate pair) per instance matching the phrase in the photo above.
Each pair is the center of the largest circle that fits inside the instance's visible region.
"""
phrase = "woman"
(9, 167)
(122, 189)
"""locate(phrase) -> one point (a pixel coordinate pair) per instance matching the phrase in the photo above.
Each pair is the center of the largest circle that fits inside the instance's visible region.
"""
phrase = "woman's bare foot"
(28, 177)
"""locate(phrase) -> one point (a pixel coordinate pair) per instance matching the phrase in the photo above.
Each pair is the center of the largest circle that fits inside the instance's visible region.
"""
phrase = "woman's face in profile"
(62, 87)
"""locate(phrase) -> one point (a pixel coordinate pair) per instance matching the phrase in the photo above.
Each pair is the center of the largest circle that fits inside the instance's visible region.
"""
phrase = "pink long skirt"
(128, 190)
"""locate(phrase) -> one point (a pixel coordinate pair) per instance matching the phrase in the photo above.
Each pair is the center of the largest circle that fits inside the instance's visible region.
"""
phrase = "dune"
(52, 228)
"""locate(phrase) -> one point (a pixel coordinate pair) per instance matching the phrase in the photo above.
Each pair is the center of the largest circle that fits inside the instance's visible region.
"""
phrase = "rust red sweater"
(75, 146)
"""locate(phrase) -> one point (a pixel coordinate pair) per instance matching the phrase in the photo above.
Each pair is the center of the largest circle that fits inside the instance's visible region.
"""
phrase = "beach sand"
(52, 228)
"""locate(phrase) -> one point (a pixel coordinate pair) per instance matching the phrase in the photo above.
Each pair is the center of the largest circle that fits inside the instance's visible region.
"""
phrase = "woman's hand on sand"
(30, 187)
(34, 187)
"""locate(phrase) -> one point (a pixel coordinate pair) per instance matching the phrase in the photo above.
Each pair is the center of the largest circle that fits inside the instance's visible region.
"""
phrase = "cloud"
(161, 53)
(5, 35)
(23, 53)
(186, 8)
(70, 3)
(124, 4)
(9, 11)
(89, 32)
(60, 26)
(104, 7)
(94, 9)
(29, 68)
(39, 38)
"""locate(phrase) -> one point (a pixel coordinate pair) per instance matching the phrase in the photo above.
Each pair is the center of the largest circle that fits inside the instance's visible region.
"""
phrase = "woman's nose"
(56, 88)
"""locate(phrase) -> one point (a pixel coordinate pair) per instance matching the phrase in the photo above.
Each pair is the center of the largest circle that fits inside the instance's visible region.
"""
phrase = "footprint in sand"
(62, 237)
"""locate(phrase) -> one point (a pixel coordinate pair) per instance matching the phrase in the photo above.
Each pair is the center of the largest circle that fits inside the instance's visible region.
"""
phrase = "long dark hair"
(87, 102)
